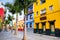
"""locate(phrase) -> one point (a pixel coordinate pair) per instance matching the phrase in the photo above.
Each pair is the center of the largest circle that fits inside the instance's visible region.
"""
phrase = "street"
(30, 36)
(29, 19)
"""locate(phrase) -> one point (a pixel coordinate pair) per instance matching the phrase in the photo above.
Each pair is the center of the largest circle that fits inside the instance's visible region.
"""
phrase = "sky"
(5, 1)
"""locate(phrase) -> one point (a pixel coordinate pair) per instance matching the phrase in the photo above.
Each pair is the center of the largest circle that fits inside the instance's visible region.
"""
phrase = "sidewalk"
(41, 37)
(8, 36)
(30, 36)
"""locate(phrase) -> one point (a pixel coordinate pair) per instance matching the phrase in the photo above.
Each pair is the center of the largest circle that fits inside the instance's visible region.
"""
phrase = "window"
(52, 26)
(36, 3)
(20, 13)
(30, 25)
(31, 17)
(26, 24)
(42, 12)
(37, 27)
(37, 13)
(42, 1)
(51, 7)
(24, 18)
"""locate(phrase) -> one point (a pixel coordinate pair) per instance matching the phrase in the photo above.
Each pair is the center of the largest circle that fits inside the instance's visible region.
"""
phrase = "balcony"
(30, 11)
(43, 18)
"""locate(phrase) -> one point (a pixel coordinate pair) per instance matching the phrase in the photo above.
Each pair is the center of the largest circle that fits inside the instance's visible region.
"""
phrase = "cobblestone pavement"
(30, 36)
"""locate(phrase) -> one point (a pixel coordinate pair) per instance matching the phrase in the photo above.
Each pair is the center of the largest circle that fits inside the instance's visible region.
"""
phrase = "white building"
(20, 20)
(20, 16)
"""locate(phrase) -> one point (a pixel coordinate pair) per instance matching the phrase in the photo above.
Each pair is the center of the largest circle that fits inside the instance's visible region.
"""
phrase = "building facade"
(1, 11)
(20, 21)
(47, 17)
(29, 17)
(1, 15)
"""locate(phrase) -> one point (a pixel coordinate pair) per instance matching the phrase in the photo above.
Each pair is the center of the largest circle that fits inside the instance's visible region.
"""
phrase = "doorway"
(37, 27)
(44, 27)
(52, 27)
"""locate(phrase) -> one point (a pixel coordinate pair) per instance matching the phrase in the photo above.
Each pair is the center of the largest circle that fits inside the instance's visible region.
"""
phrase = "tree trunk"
(24, 33)
(12, 24)
(16, 29)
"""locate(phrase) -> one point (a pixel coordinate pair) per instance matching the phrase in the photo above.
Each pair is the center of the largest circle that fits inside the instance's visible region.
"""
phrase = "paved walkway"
(33, 36)
(30, 36)
(8, 36)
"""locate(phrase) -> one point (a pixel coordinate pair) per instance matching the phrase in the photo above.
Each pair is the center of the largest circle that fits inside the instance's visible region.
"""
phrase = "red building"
(1, 11)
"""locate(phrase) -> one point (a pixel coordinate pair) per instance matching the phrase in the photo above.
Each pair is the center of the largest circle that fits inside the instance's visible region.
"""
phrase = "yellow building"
(47, 17)
(20, 25)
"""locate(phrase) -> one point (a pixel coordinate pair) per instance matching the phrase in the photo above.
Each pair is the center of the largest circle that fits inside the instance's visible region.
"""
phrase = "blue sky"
(4, 1)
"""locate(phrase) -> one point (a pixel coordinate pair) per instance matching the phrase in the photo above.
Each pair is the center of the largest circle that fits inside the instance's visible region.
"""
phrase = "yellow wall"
(50, 14)
(20, 24)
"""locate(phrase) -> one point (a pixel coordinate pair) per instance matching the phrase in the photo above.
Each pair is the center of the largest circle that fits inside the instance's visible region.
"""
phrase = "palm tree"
(14, 9)
(25, 4)
(11, 9)
(11, 18)
(6, 22)
(18, 6)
